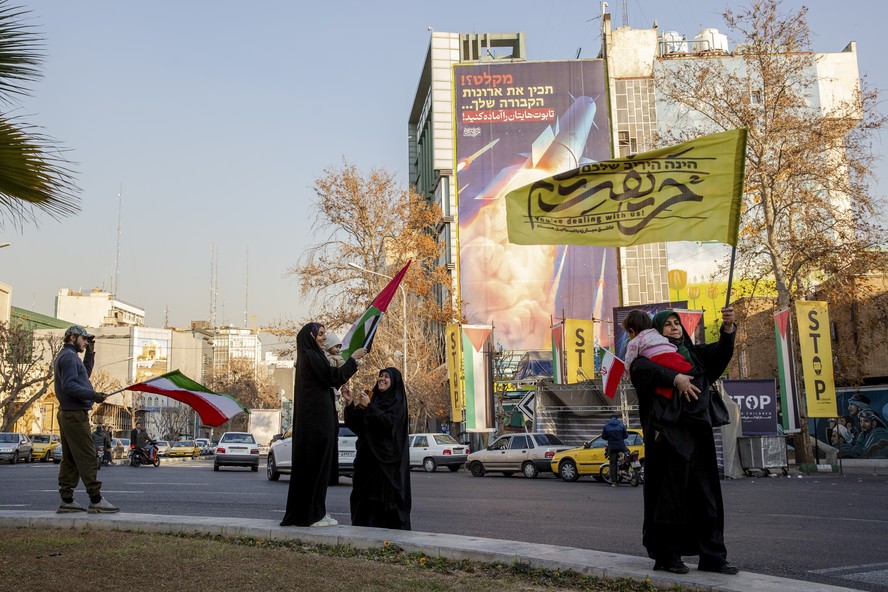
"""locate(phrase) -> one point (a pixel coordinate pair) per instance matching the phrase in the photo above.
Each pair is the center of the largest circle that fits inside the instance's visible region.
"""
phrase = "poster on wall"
(517, 123)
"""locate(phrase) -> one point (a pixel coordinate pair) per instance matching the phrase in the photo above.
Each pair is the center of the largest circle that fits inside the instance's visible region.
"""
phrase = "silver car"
(15, 447)
(237, 449)
(530, 454)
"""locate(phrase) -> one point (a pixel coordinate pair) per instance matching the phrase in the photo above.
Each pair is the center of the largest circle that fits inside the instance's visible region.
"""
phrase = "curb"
(446, 546)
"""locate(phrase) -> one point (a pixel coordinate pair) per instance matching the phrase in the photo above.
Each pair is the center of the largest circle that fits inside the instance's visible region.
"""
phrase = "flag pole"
(730, 276)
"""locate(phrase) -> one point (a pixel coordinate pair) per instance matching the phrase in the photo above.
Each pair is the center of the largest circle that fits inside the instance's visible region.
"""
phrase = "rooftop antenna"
(247, 288)
(214, 269)
(116, 278)
(625, 13)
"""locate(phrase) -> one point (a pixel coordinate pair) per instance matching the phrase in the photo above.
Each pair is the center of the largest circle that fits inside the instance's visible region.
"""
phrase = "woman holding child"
(683, 510)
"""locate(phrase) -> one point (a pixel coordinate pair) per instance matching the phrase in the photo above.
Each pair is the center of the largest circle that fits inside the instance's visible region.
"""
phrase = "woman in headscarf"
(314, 432)
(683, 509)
(381, 485)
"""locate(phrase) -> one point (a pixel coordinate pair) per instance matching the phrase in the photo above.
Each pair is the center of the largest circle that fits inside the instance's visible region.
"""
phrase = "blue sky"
(214, 117)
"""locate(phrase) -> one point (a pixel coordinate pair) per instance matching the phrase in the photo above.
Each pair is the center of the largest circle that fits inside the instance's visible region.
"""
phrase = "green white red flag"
(363, 331)
(612, 369)
(214, 408)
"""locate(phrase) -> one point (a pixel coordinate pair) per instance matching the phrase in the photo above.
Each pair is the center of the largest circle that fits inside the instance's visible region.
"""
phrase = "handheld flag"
(612, 369)
(691, 191)
(362, 332)
(214, 408)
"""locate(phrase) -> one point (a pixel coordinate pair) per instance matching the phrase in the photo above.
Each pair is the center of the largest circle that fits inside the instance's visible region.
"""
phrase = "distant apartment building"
(97, 309)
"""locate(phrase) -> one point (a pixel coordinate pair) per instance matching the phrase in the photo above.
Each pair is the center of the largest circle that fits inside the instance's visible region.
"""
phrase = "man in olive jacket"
(76, 397)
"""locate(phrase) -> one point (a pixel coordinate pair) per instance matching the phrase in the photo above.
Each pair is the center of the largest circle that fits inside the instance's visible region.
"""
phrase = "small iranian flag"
(612, 369)
(214, 408)
(362, 332)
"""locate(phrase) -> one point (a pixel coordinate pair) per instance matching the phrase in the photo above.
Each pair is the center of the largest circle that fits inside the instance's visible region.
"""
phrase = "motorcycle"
(139, 456)
(100, 454)
(629, 470)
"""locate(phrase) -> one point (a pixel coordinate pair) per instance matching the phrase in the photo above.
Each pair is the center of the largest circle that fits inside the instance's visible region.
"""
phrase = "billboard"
(151, 352)
(757, 400)
(517, 123)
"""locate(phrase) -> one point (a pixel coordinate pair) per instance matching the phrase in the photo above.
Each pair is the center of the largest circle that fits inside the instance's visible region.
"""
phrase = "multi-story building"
(97, 309)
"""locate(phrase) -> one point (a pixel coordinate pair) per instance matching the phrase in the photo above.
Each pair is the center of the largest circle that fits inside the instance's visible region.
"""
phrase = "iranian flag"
(612, 369)
(362, 332)
(214, 408)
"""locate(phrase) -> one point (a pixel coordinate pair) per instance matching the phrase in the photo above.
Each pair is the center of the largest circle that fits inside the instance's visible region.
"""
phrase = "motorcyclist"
(145, 443)
(615, 433)
(98, 437)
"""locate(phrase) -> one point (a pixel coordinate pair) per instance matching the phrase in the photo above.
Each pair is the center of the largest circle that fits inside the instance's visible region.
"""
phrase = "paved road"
(825, 528)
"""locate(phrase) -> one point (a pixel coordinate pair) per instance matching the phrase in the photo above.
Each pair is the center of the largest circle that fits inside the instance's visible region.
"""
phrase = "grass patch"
(85, 560)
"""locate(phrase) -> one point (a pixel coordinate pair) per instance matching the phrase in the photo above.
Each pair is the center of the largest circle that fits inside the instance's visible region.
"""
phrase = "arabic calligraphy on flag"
(690, 191)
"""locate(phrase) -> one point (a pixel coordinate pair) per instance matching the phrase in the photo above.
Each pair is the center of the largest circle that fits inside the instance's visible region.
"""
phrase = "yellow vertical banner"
(816, 352)
(455, 372)
(579, 354)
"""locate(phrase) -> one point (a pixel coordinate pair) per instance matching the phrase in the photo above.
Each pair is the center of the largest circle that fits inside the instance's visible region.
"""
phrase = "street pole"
(403, 308)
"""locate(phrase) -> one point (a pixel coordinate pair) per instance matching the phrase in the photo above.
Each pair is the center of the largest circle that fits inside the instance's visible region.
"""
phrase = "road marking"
(870, 573)
(15, 505)
(864, 566)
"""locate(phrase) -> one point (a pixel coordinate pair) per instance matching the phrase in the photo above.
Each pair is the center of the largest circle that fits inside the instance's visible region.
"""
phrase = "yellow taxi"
(586, 460)
(44, 444)
(184, 448)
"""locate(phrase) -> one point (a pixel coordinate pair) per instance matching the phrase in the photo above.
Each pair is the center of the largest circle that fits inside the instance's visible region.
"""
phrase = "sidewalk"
(551, 557)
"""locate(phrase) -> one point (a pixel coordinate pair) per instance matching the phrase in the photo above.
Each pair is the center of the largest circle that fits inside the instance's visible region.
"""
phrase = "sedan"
(163, 447)
(44, 445)
(572, 464)
(184, 448)
(431, 451)
(15, 447)
(529, 453)
(237, 449)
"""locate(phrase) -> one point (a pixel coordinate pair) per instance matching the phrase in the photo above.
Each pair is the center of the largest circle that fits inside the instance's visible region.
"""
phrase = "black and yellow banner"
(816, 351)
(579, 354)
(691, 191)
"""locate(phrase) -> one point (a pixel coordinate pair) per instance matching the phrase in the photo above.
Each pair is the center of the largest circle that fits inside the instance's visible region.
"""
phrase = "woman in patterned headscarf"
(314, 433)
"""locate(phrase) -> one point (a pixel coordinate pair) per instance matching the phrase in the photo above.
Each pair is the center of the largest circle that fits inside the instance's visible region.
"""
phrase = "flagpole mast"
(730, 277)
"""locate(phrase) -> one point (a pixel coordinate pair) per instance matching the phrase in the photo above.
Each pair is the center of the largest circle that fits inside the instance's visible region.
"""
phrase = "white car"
(15, 447)
(280, 454)
(529, 453)
(163, 448)
(431, 451)
(205, 446)
(237, 449)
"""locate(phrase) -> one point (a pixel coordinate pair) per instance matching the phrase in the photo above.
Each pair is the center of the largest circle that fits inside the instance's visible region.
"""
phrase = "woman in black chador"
(683, 510)
(313, 427)
(381, 485)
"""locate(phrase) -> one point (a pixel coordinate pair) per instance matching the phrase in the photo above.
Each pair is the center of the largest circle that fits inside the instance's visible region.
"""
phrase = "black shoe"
(676, 567)
(724, 568)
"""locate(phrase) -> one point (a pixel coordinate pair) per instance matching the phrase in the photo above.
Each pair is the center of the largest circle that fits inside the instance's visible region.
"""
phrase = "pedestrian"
(76, 397)
(615, 433)
(381, 484)
(683, 508)
(106, 458)
(313, 434)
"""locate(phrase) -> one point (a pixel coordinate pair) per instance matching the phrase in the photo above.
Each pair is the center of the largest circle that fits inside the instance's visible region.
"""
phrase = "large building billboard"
(517, 123)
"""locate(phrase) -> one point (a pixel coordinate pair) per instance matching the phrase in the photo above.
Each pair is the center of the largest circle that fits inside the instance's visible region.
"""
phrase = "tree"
(25, 373)
(33, 175)
(367, 220)
(808, 213)
(247, 383)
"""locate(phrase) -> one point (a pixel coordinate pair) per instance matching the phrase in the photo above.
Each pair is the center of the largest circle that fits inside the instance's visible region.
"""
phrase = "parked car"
(586, 460)
(204, 445)
(529, 453)
(120, 447)
(163, 447)
(184, 448)
(57, 455)
(15, 447)
(280, 453)
(237, 449)
(44, 445)
(431, 451)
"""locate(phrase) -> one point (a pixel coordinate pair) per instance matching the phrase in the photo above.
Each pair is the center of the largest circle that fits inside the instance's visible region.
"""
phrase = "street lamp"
(403, 309)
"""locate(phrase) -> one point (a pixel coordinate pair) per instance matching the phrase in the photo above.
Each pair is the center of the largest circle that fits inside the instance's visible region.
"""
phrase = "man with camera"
(76, 397)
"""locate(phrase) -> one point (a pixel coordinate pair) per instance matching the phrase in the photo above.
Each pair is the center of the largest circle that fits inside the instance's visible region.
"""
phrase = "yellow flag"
(455, 372)
(579, 354)
(816, 351)
(691, 191)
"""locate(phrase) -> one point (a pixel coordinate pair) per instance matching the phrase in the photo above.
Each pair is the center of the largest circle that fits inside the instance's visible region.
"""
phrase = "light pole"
(403, 307)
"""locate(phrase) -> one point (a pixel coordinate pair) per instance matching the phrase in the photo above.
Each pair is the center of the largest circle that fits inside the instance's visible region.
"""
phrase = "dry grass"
(47, 560)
